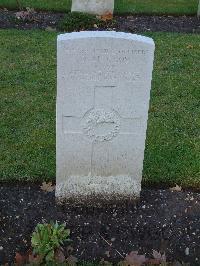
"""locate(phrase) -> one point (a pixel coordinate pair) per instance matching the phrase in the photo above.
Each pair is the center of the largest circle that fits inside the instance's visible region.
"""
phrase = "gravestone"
(98, 7)
(104, 81)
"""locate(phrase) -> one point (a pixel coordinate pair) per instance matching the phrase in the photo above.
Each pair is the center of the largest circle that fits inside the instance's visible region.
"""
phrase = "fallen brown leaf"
(134, 259)
(34, 259)
(176, 188)
(159, 256)
(107, 16)
(47, 187)
(19, 259)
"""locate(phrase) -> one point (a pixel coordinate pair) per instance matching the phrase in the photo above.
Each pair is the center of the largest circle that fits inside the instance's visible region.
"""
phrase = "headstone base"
(97, 190)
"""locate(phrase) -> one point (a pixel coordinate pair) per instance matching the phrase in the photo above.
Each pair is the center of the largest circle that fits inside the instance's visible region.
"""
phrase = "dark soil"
(50, 21)
(40, 20)
(162, 220)
(159, 23)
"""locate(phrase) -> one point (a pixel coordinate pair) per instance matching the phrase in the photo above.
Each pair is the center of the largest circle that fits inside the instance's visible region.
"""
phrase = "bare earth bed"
(163, 220)
(140, 23)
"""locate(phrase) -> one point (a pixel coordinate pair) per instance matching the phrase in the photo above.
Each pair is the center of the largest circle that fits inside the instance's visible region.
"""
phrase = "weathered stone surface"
(98, 7)
(104, 81)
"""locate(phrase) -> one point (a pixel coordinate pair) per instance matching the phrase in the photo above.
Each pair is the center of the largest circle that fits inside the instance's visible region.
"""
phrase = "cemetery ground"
(163, 220)
(166, 220)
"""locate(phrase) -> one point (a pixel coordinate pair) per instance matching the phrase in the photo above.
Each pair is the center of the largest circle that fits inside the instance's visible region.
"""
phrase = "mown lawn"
(28, 97)
(121, 6)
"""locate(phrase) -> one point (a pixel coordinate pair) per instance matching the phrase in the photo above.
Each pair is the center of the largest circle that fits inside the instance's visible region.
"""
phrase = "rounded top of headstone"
(105, 34)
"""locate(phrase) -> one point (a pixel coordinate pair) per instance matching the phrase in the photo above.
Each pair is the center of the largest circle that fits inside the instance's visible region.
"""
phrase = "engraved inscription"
(107, 51)
(100, 75)
(101, 125)
(108, 62)
(106, 55)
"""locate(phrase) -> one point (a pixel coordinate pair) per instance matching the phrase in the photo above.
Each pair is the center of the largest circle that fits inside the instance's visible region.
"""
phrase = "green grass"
(27, 102)
(157, 6)
(121, 6)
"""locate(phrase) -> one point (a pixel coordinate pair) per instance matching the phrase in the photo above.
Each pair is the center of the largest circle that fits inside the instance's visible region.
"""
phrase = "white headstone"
(99, 7)
(104, 81)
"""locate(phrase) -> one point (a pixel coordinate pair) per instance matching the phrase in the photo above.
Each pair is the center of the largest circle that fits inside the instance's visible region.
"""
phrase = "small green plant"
(47, 239)
(77, 21)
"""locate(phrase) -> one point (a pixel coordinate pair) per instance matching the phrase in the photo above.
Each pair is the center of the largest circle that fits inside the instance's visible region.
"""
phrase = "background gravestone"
(104, 81)
(99, 7)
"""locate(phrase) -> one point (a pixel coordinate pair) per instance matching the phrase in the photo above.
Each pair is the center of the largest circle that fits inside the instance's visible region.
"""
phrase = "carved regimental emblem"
(100, 124)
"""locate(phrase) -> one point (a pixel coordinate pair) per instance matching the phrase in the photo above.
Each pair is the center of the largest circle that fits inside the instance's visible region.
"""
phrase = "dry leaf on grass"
(176, 188)
(48, 28)
(47, 187)
(189, 46)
